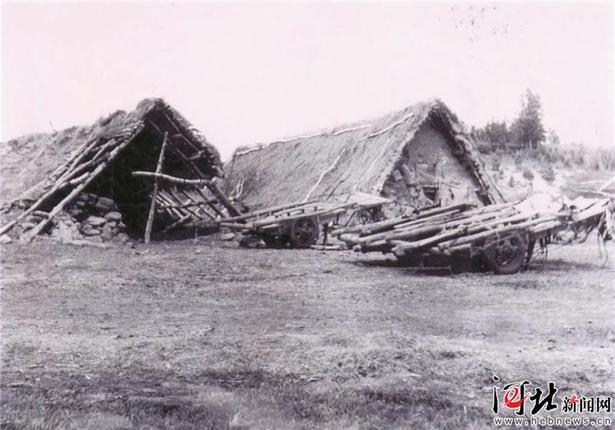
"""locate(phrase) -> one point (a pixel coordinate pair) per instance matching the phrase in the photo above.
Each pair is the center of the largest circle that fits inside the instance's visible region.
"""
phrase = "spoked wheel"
(304, 233)
(507, 255)
(275, 241)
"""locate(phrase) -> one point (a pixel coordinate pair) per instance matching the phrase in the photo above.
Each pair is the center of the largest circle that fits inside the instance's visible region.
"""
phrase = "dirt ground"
(194, 336)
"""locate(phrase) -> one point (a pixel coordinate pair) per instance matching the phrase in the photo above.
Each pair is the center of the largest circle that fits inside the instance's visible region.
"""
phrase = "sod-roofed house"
(418, 157)
(85, 179)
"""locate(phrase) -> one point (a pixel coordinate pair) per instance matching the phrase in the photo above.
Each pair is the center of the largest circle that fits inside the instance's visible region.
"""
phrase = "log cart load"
(299, 225)
(502, 236)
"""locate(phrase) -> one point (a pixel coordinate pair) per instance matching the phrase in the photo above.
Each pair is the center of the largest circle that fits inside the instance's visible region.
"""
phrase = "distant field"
(206, 336)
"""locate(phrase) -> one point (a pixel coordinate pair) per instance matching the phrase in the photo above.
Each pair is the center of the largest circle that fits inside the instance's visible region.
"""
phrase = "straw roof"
(355, 157)
(29, 161)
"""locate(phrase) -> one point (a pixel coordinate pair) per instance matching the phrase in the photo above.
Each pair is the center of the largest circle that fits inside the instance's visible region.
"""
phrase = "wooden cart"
(300, 224)
(503, 236)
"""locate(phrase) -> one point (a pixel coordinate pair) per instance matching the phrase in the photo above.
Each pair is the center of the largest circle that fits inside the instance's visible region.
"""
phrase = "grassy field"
(197, 336)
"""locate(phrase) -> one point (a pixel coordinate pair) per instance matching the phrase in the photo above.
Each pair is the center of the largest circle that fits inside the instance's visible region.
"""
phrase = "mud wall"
(427, 173)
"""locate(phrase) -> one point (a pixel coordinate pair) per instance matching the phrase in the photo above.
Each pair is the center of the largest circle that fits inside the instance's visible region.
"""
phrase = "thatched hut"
(418, 157)
(44, 175)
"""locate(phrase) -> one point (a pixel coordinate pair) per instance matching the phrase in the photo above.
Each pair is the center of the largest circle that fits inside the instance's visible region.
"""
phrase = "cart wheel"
(303, 233)
(275, 241)
(507, 255)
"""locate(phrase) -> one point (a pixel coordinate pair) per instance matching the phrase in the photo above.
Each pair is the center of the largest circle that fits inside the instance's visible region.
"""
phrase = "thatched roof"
(354, 157)
(30, 160)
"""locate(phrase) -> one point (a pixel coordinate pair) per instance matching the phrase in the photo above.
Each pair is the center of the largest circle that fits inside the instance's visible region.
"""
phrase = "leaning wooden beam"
(607, 184)
(74, 159)
(177, 223)
(31, 234)
(181, 155)
(199, 207)
(181, 134)
(99, 168)
(171, 197)
(165, 198)
(152, 207)
(56, 187)
(185, 205)
(210, 203)
(58, 184)
(215, 190)
(92, 161)
(171, 179)
(56, 173)
(212, 186)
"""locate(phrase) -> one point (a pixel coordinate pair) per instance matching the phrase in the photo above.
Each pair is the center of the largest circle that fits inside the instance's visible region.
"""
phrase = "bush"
(548, 174)
(485, 147)
(527, 174)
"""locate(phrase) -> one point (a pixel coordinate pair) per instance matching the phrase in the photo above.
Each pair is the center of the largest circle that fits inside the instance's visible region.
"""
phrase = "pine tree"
(527, 130)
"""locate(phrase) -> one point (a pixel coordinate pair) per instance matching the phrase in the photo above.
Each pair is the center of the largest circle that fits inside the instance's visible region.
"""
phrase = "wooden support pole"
(199, 206)
(210, 202)
(57, 186)
(177, 223)
(31, 234)
(215, 190)
(169, 178)
(165, 198)
(152, 207)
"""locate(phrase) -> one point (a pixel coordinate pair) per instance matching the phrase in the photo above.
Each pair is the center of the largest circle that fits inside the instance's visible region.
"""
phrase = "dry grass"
(207, 336)
(353, 157)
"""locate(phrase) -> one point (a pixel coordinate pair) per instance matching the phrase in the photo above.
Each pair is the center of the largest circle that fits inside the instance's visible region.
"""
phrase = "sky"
(245, 73)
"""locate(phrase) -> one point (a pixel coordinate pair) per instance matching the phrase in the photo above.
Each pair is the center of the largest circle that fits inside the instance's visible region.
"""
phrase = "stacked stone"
(98, 218)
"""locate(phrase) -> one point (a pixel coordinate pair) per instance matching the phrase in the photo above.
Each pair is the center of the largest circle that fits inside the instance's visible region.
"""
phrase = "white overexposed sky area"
(245, 73)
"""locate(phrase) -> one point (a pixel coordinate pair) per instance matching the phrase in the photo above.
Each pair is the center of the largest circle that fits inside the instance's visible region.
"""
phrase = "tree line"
(527, 134)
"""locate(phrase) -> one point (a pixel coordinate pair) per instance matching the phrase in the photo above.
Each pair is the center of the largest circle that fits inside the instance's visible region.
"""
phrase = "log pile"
(323, 210)
(461, 228)
(300, 224)
(272, 218)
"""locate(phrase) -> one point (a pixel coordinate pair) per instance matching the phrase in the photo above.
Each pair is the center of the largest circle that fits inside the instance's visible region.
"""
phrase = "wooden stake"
(152, 208)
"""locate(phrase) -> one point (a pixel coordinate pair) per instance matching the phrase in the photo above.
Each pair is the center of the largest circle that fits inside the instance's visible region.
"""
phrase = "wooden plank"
(199, 206)
(152, 207)
(165, 197)
(268, 211)
(523, 227)
(332, 211)
(209, 202)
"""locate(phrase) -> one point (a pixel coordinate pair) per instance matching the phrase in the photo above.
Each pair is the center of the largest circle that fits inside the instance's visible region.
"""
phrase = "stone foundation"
(89, 217)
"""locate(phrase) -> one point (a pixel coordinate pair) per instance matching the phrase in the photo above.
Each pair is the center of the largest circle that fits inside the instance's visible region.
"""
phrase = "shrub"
(485, 147)
(527, 174)
(548, 174)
